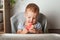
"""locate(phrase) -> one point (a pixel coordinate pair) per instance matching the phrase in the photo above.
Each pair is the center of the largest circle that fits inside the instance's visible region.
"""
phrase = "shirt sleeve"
(20, 26)
(38, 26)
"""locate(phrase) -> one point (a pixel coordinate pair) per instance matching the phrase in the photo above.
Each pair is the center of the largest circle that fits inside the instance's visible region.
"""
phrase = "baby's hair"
(32, 7)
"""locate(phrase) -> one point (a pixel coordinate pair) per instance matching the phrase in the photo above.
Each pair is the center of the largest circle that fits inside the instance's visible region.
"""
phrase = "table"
(29, 36)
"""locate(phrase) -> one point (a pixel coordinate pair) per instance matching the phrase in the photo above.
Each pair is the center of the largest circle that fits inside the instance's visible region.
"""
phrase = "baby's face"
(31, 17)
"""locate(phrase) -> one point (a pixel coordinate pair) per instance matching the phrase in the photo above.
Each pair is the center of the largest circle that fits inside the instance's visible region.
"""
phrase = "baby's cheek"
(34, 21)
(28, 20)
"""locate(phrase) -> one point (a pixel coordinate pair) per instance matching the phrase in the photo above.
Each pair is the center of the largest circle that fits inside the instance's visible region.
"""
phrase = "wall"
(50, 8)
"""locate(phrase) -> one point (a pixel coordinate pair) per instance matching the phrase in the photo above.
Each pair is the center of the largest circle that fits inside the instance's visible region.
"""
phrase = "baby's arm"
(39, 31)
(24, 31)
(32, 30)
(21, 29)
(35, 31)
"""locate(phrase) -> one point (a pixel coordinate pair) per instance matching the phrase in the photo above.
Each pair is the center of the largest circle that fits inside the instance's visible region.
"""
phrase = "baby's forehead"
(31, 12)
(32, 15)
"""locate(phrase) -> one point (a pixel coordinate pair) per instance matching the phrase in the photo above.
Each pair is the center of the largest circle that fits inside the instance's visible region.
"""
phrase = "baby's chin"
(32, 23)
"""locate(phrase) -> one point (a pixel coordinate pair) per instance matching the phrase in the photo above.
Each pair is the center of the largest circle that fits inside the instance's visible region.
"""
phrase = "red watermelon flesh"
(29, 26)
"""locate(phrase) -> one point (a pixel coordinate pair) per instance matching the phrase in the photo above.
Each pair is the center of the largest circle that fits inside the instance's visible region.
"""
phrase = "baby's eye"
(29, 17)
(34, 18)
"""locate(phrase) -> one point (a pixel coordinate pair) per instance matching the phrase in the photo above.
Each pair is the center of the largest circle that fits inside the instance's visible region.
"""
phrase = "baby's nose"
(31, 20)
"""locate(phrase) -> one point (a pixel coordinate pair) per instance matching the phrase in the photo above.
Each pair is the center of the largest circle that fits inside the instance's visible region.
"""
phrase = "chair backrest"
(43, 20)
(15, 19)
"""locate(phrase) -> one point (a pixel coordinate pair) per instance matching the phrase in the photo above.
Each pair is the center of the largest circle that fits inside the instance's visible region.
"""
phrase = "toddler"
(31, 25)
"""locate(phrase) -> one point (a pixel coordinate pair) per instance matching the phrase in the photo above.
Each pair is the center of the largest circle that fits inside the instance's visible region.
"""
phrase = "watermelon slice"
(29, 26)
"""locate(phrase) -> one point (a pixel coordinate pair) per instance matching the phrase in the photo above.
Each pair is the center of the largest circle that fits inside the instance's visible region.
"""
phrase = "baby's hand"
(32, 30)
(25, 31)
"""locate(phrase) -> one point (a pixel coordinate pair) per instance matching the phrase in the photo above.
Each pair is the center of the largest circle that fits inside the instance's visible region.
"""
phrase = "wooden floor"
(54, 31)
